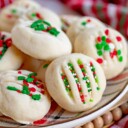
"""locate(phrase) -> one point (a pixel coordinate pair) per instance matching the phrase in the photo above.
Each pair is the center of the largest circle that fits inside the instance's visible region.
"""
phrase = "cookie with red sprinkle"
(81, 24)
(78, 82)
(10, 57)
(11, 13)
(44, 14)
(107, 46)
(40, 40)
(23, 97)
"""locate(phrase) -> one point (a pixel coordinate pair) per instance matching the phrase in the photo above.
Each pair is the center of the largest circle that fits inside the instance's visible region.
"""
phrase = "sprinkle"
(38, 15)
(32, 74)
(0, 52)
(21, 77)
(25, 90)
(83, 23)
(88, 20)
(98, 88)
(18, 91)
(84, 78)
(33, 14)
(99, 46)
(32, 89)
(107, 32)
(45, 66)
(99, 39)
(89, 90)
(54, 31)
(100, 60)
(29, 79)
(13, 10)
(8, 42)
(36, 97)
(47, 23)
(106, 47)
(103, 38)
(1, 43)
(120, 58)
(79, 61)
(118, 52)
(12, 88)
(19, 72)
(118, 38)
(100, 53)
(91, 100)
(108, 40)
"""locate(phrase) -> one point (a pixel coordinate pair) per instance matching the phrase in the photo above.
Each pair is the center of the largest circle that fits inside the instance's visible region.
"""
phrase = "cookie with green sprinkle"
(23, 94)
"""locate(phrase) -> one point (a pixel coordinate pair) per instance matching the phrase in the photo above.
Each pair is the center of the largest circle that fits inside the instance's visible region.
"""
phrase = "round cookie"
(82, 24)
(40, 40)
(10, 14)
(42, 70)
(44, 14)
(107, 46)
(23, 97)
(76, 82)
(10, 56)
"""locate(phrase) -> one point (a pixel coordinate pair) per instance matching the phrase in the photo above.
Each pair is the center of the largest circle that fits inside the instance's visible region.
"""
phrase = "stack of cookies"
(69, 67)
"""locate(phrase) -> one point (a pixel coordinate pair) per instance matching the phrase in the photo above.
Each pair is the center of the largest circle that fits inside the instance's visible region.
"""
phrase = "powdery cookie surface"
(23, 97)
(10, 56)
(10, 14)
(44, 14)
(107, 46)
(40, 40)
(81, 24)
(76, 82)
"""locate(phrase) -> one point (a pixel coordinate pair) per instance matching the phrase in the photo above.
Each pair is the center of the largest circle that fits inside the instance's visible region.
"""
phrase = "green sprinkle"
(77, 80)
(12, 88)
(66, 83)
(106, 47)
(84, 78)
(93, 69)
(45, 22)
(13, 10)
(89, 90)
(25, 90)
(96, 79)
(32, 74)
(84, 23)
(103, 43)
(36, 23)
(98, 88)
(45, 66)
(79, 62)
(21, 77)
(40, 28)
(120, 58)
(100, 53)
(83, 70)
(84, 102)
(29, 79)
(33, 14)
(98, 46)
(67, 89)
(118, 52)
(91, 100)
(88, 85)
(54, 31)
(36, 97)
(103, 38)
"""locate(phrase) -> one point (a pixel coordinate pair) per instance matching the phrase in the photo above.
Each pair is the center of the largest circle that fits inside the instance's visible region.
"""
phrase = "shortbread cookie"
(22, 96)
(40, 40)
(10, 56)
(44, 14)
(10, 14)
(42, 70)
(81, 24)
(76, 82)
(107, 46)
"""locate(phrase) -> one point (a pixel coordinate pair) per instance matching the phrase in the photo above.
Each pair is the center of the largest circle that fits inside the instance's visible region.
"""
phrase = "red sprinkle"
(25, 83)
(82, 97)
(108, 40)
(8, 42)
(9, 16)
(1, 43)
(38, 15)
(0, 52)
(99, 39)
(30, 94)
(63, 77)
(115, 52)
(32, 89)
(91, 64)
(18, 91)
(100, 60)
(81, 66)
(42, 91)
(107, 32)
(88, 20)
(118, 38)
(19, 72)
